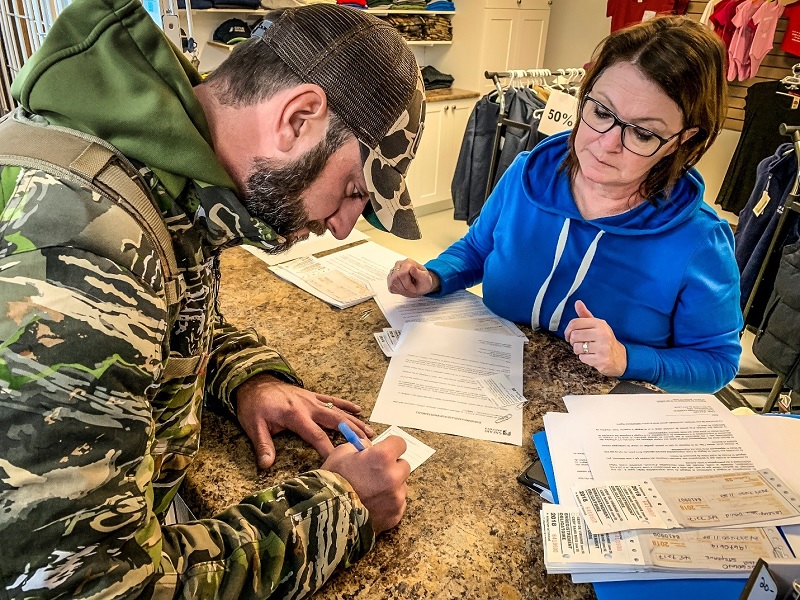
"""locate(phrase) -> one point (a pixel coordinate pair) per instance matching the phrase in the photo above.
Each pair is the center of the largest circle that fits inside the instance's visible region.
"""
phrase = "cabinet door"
(424, 173)
(499, 28)
(530, 36)
(529, 4)
(456, 121)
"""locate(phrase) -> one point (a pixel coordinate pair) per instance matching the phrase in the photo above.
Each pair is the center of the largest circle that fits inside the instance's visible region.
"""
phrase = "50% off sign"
(559, 114)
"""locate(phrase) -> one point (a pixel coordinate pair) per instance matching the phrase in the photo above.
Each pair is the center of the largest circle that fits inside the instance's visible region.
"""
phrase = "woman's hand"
(595, 343)
(410, 279)
(266, 406)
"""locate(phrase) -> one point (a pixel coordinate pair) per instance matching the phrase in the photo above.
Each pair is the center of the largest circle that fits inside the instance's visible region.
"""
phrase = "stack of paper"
(342, 279)
(667, 486)
(456, 381)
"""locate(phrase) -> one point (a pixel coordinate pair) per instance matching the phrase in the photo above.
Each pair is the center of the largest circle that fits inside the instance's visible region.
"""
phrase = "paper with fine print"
(431, 383)
(460, 309)
(697, 501)
(313, 245)
(636, 436)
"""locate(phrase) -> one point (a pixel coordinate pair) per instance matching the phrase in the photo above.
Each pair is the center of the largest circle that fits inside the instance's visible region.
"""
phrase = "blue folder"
(685, 589)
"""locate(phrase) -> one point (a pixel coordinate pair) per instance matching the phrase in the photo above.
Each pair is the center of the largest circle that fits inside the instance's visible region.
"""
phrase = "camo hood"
(106, 69)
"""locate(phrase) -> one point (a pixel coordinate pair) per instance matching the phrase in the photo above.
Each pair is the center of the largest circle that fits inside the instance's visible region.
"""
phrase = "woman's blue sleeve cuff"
(642, 363)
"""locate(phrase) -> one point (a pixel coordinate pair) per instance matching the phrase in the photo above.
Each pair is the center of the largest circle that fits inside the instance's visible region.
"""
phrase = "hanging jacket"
(775, 177)
(95, 443)
(468, 188)
(777, 344)
(521, 108)
(664, 278)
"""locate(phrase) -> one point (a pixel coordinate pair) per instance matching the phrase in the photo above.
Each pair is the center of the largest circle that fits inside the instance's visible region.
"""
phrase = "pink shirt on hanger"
(739, 48)
(766, 20)
(721, 18)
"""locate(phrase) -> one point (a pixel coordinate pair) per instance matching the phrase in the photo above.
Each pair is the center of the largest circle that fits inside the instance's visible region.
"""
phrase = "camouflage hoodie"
(93, 443)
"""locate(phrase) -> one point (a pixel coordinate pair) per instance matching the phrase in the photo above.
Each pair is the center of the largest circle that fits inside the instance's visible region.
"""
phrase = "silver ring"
(395, 269)
(329, 405)
(586, 347)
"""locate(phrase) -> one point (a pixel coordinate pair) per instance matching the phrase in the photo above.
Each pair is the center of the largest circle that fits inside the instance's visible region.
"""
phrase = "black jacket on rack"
(775, 176)
(475, 157)
(777, 344)
(764, 111)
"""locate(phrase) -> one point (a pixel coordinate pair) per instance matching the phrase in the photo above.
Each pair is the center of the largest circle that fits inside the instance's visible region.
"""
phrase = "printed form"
(657, 439)
(433, 383)
(635, 436)
(460, 309)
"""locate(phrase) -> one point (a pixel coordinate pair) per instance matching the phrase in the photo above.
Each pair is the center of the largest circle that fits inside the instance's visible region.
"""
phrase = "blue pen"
(351, 436)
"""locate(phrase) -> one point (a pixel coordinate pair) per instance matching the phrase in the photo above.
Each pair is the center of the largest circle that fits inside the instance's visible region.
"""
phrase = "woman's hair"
(687, 61)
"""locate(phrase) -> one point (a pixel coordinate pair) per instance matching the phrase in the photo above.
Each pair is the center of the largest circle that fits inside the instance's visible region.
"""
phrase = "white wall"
(576, 27)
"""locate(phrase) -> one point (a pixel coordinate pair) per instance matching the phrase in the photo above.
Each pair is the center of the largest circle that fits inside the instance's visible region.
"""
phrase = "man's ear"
(303, 117)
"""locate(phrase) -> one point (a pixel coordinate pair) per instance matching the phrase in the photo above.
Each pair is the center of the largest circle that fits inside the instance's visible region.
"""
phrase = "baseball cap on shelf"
(372, 82)
(231, 32)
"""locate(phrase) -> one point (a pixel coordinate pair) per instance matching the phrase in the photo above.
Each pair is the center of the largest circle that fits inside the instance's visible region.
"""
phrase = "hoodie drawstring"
(586, 262)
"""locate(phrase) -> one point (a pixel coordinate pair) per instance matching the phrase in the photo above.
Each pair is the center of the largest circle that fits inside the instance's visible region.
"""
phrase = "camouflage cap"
(372, 82)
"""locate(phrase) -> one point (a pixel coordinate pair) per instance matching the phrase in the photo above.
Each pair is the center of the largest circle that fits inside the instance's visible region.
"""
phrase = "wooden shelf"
(263, 11)
(228, 48)
(428, 43)
(221, 45)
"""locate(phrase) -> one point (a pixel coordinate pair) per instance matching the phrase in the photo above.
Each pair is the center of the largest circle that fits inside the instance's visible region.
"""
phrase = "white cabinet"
(513, 38)
(502, 34)
(431, 171)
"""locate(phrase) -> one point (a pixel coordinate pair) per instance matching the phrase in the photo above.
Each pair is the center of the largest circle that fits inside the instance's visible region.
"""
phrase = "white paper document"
(327, 284)
(416, 452)
(697, 501)
(569, 547)
(460, 309)
(313, 245)
(368, 263)
(387, 340)
(431, 383)
(343, 278)
(570, 465)
(635, 436)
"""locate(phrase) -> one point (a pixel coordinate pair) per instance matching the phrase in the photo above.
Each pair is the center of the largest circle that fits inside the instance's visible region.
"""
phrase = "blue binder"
(685, 589)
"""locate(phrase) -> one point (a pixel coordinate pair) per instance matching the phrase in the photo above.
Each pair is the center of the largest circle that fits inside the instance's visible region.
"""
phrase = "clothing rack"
(791, 204)
(523, 77)
(768, 267)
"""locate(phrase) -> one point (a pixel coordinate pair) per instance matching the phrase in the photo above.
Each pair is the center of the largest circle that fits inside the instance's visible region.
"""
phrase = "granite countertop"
(470, 530)
(449, 94)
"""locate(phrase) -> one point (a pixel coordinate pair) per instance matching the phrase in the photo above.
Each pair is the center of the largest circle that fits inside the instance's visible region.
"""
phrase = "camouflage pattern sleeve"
(85, 424)
(283, 542)
(237, 355)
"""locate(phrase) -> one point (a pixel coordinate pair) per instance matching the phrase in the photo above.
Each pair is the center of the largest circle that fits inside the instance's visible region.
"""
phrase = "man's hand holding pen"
(377, 476)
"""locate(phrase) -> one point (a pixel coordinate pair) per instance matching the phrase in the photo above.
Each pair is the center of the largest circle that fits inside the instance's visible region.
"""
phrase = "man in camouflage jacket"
(96, 438)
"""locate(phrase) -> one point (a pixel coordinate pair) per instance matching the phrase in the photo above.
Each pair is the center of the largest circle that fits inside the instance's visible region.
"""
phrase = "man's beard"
(274, 193)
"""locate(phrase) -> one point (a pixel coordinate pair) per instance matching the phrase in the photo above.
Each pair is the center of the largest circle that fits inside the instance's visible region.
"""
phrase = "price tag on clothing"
(761, 585)
(560, 113)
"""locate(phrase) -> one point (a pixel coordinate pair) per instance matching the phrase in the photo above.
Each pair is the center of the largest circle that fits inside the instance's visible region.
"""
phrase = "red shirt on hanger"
(791, 39)
(722, 18)
(628, 12)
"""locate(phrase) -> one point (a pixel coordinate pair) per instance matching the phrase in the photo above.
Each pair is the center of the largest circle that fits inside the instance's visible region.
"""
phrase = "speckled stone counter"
(470, 530)
(449, 94)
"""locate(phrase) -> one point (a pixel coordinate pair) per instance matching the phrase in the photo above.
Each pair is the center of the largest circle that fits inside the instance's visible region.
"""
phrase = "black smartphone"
(533, 477)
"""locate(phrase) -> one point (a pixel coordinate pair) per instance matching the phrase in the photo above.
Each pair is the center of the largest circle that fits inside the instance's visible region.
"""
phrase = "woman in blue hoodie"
(601, 235)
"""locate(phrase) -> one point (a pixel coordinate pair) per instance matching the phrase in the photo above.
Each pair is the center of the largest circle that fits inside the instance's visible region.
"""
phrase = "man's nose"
(341, 223)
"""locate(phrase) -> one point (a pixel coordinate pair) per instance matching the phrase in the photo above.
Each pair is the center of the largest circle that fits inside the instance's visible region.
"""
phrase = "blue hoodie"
(664, 279)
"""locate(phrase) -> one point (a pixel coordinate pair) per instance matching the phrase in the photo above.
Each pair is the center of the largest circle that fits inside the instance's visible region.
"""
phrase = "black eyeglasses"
(642, 141)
